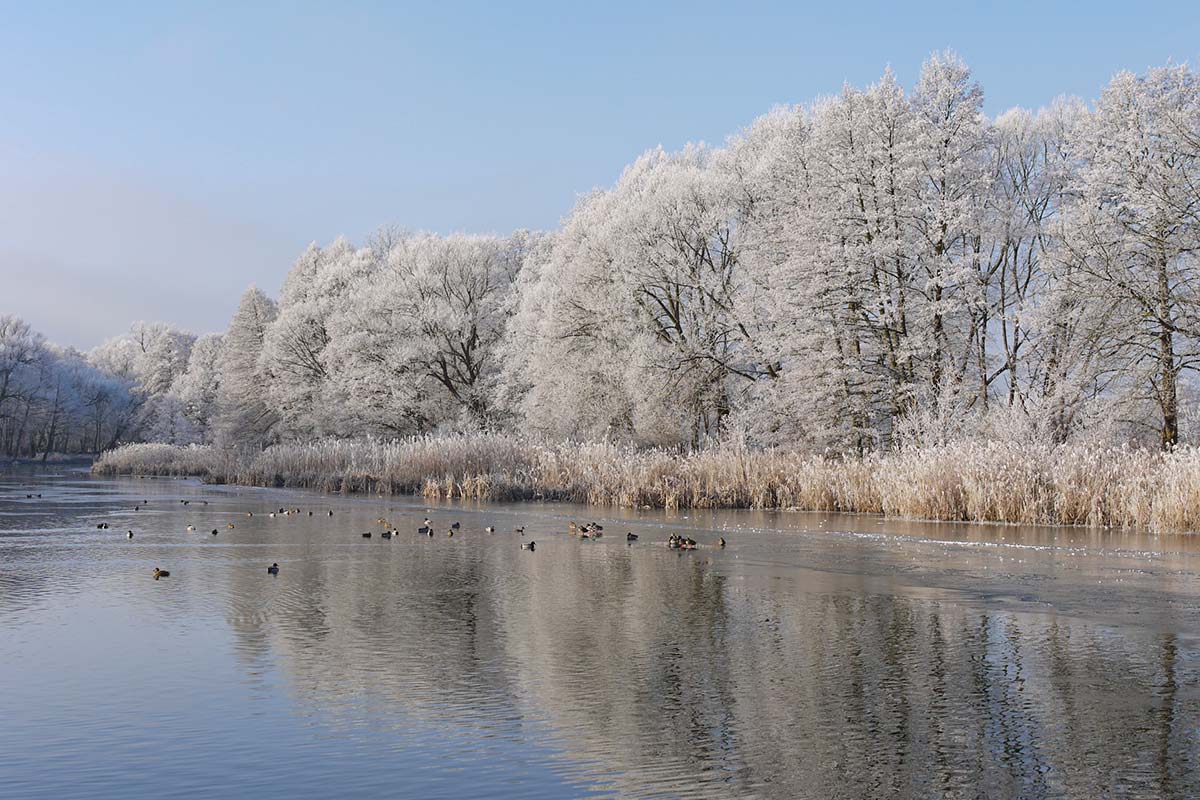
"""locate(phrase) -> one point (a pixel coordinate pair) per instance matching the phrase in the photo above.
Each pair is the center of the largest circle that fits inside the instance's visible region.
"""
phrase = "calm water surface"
(815, 657)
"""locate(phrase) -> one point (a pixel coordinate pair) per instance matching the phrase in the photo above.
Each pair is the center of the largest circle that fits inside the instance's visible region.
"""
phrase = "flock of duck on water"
(586, 531)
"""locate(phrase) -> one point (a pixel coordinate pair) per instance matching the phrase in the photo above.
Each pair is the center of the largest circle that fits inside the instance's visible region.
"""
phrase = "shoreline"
(995, 483)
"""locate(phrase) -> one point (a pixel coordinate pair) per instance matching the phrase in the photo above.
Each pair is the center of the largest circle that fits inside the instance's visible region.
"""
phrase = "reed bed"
(1084, 485)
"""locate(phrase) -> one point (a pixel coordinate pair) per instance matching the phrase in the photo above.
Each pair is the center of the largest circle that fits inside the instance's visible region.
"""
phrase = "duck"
(271, 515)
(520, 530)
(386, 534)
(331, 512)
(528, 545)
(129, 535)
(631, 537)
(249, 513)
(185, 502)
(489, 529)
(424, 529)
(721, 542)
(450, 532)
(572, 528)
(455, 526)
(273, 569)
(229, 526)
(214, 531)
(137, 508)
(367, 535)
(428, 522)
(161, 573)
(429, 532)
(310, 513)
(191, 528)
(673, 542)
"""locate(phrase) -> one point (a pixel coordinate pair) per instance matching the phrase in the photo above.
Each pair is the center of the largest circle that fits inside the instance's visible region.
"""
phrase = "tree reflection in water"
(797, 664)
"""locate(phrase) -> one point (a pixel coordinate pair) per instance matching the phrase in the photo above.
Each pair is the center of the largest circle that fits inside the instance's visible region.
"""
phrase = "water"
(814, 657)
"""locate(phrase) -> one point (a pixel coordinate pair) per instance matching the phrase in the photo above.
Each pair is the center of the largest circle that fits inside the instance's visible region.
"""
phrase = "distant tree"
(20, 348)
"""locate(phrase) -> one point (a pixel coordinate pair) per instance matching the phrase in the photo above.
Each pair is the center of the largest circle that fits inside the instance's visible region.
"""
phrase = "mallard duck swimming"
(721, 542)
(450, 532)
(273, 569)
(386, 534)
(631, 537)
(528, 545)
(229, 526)
(367, 535)
(161, 573)
(455, 525)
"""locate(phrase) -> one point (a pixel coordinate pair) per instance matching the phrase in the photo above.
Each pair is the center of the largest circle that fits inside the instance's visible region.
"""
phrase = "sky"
(157, 159)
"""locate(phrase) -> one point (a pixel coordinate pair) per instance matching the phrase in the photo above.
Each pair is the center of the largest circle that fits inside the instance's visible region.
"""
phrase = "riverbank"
(996, 482)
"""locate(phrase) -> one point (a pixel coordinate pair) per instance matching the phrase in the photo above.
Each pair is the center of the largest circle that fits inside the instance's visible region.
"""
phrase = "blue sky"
(155, 159)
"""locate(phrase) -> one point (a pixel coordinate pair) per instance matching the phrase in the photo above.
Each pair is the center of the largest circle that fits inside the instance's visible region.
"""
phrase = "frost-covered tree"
(198, 388)
(315, 290)
(575, 341)
(1131, 239)
(21, 348)
(244, 418)
(886, 265)
(416, 344)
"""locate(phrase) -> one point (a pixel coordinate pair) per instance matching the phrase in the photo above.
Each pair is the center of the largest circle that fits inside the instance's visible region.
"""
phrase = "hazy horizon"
(158, 161)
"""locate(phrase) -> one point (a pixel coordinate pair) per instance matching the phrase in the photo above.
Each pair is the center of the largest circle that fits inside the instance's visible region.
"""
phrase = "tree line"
(877, 267)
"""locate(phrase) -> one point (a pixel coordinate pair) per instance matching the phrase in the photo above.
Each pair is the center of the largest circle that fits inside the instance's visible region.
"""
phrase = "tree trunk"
(1168, 373)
